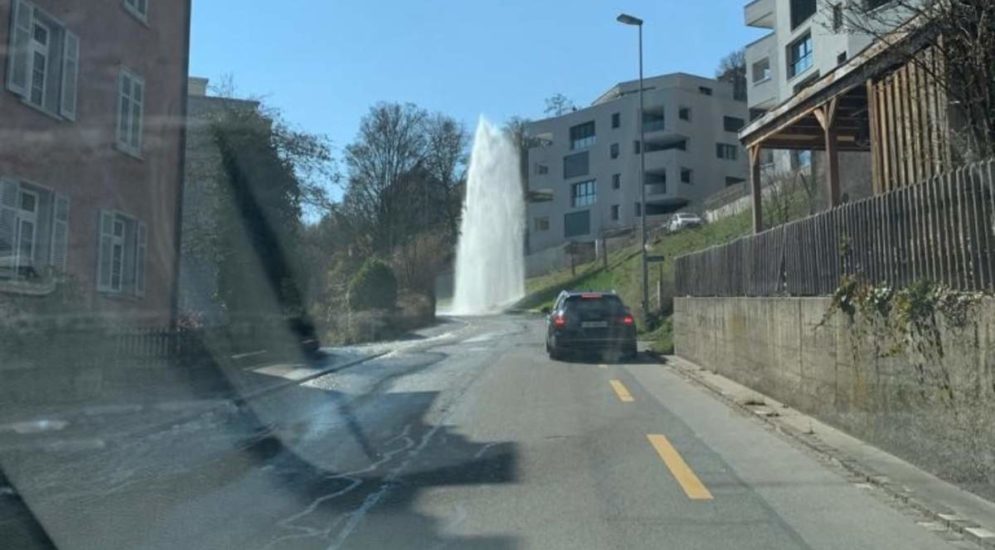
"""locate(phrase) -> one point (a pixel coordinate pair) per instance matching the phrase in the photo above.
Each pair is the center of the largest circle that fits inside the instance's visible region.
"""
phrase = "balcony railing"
(654, 125)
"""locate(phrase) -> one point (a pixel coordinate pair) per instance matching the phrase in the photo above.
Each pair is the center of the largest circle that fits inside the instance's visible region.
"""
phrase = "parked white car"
(683, 220)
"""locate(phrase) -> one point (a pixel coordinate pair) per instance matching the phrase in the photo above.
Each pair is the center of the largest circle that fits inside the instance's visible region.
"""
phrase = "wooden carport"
(881, 102)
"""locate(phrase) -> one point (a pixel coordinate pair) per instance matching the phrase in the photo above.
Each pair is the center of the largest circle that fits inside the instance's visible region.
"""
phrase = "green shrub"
(373, 287)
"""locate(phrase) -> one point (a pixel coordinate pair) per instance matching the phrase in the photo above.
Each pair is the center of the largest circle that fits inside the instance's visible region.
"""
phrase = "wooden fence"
(940, 230)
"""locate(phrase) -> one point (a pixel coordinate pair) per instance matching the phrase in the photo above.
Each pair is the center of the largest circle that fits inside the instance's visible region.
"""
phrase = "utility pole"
(635, 21)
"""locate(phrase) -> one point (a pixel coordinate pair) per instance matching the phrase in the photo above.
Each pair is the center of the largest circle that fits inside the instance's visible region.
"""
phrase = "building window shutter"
(124, 108)
(70, 72)
(60, 232)
(8, 221)
(105, 233)
(138, 105)
(141, 255)
(20, 37)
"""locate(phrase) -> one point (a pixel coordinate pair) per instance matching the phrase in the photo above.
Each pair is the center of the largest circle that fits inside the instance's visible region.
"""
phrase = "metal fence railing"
(939, 230)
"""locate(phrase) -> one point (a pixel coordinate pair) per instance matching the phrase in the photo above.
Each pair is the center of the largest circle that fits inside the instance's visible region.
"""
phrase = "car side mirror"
(546, 311)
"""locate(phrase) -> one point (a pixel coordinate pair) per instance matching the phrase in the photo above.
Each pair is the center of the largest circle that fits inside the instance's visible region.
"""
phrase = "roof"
(870, 62)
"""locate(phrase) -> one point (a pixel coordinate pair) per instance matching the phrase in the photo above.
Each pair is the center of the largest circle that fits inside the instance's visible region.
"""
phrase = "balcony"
(656, 189)
(760, 14)
(654, 125)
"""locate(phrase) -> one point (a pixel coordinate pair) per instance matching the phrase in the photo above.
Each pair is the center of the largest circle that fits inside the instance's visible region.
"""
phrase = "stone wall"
(934, 409)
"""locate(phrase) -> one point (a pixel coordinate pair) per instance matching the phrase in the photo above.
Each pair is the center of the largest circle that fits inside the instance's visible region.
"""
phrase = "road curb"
(965, 528)
(242, 400)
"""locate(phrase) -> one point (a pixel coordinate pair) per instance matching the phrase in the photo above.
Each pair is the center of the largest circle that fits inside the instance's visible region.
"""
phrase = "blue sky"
(324, 62)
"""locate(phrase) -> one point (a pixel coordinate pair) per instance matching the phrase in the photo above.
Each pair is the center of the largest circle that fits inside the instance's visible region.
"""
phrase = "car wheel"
(631, 353)
(553, 351)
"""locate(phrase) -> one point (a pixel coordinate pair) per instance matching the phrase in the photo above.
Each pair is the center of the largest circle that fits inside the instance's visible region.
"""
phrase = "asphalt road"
(467, 438)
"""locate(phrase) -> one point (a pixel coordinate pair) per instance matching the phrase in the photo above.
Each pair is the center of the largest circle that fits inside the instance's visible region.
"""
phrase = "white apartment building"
(586, 163)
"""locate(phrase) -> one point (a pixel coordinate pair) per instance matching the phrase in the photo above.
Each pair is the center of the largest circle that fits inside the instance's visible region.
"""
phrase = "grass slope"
(624, 273)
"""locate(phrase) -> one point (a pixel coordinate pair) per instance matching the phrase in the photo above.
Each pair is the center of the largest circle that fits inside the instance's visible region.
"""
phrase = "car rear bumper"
(592, 344)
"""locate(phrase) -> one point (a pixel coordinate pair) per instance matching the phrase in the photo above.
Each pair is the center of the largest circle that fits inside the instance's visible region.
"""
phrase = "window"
(705, 90)
(639, 210)
(614, 150)
(841, 58)
(801, 11)
(761, 71)
(726, 151)
(138, 8)
(730, 181)
(635, 147)
(582, 136)
(131, 102)
(576, 165)
(542, 224)
(874, 4)
(614, 213)
(616, 181)
(800, 55)
(684, 113)
(584, 193)
(686, 174)
(732, 124)
(576, 224)
(837, 17)
(121, 255)
(802, 159)
(43, 61)
(34, 230)
(616, 120)
(541, 169)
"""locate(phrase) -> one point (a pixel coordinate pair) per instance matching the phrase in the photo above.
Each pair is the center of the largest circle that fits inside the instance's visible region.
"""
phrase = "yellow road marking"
(692, 486)
(621, 391)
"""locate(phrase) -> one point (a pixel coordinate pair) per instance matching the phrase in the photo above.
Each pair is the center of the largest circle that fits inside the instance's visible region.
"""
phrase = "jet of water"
(490, 265)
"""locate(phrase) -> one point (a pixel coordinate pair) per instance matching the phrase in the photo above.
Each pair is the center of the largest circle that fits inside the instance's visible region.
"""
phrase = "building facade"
(583, 166)
(202, 174)
(93, 108)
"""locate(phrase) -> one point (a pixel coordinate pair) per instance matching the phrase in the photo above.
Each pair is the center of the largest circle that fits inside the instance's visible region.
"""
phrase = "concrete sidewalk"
(949, 506)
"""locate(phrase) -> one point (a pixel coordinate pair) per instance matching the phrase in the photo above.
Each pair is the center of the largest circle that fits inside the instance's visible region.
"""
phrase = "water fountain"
(490, 267)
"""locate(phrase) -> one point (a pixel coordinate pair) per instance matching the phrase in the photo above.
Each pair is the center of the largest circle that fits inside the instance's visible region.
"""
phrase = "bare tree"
(732, 69)
(790, 195)
(961, 33)
(446, 164)
(558, 104)
(390, 146)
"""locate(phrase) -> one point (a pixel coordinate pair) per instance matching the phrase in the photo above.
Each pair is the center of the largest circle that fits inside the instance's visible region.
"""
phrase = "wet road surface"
(467, 438)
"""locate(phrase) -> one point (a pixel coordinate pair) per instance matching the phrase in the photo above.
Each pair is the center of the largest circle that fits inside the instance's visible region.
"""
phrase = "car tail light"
(628, 321)
(560, 321)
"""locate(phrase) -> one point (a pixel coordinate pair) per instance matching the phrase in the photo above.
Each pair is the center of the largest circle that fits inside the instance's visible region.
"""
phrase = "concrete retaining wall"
(937, 414)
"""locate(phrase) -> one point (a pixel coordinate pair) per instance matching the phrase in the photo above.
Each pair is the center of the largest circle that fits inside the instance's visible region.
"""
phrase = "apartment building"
(807, 40)
(584, 165)
(93, 105)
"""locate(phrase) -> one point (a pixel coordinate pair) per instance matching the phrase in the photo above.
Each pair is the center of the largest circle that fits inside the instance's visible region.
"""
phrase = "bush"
(373, 287)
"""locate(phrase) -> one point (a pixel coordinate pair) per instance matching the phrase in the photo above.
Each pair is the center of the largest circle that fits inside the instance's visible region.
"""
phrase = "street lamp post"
(626, 19)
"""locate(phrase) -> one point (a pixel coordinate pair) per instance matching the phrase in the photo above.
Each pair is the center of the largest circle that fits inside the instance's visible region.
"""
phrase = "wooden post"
(874, 124)
(755, 192)
(827, 119)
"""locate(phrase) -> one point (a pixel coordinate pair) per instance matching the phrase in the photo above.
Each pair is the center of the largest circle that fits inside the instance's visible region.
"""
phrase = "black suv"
(590, 321)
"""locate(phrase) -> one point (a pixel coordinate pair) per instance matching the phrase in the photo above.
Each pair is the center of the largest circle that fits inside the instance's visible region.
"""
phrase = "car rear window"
(604, 306)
